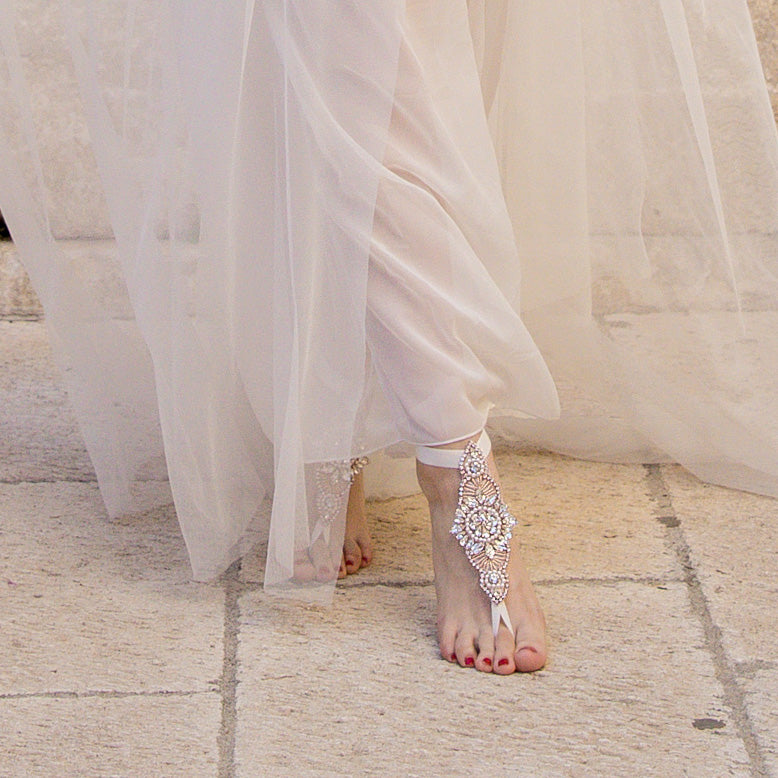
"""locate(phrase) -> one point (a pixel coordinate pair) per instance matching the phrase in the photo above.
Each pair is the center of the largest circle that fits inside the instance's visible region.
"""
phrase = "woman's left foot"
(316, 563)
(464, 612)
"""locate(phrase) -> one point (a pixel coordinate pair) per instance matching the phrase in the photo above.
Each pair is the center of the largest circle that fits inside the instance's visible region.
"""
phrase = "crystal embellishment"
(357, 466)
(483, 524)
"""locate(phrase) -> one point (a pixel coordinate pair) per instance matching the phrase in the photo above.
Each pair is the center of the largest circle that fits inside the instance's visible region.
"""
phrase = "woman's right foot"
(465, 631)
(357, 543)
(315, 562)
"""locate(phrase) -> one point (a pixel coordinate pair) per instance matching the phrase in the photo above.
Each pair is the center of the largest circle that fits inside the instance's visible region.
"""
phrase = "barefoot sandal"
(483, 524)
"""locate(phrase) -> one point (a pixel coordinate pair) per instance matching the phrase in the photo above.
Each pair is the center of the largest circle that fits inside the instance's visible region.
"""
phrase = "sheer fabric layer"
(266, 164)
(643, 195)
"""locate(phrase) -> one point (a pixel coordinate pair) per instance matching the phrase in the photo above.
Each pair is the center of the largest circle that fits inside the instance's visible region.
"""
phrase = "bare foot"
(357, 544)
(315, 563)
(464, 611)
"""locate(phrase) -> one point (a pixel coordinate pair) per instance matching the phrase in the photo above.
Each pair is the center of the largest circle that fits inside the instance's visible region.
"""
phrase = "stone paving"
(661, 594)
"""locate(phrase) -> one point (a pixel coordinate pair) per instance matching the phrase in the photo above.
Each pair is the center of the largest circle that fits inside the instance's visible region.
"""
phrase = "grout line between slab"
(247, 587)
(74, 480)
(82, 479)
(105, 694)
(646, 580)
(547, 582)
(726, 671)
(229, 678)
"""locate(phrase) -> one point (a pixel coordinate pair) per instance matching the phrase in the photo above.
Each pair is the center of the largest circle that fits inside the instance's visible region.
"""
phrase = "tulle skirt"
(307, 221)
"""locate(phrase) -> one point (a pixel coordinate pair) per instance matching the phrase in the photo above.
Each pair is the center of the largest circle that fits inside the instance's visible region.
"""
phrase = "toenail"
(503, 662)
(488, 662)
(469, 662)
(453, 657)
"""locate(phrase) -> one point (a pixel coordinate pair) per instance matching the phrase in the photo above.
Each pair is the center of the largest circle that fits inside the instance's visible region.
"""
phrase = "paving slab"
(359, 689)
(761, 693)
(94, 605)
(77, 205)
(584, 519)
(131, 736)
(734, 548)
(39, 436)
(764, 14)
(17, 297)
(710, 339)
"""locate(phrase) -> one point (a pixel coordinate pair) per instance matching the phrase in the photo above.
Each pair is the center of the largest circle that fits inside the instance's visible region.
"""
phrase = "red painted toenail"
(469, 662)
(453, 657)
(503, 662)
(488, 662)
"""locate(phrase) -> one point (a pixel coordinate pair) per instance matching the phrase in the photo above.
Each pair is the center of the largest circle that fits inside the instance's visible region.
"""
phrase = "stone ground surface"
(660, 591)
(661, 594)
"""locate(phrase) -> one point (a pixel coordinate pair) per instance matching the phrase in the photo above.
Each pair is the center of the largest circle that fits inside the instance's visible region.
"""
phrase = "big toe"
(528, 659)
(352, 556)
(366, 550)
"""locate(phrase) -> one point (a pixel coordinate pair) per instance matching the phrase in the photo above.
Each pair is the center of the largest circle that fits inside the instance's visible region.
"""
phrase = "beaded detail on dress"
(333, 480)
(357, 466)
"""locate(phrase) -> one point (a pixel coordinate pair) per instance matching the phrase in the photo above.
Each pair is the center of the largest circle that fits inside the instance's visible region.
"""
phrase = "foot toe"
(352, 556)
(465, 648)
(447, 643)
(365, 544)
(528, 659)
(485, 660)
(504, 663)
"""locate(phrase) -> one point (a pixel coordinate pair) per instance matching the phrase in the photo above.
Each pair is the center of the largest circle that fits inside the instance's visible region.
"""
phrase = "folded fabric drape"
(199, 224)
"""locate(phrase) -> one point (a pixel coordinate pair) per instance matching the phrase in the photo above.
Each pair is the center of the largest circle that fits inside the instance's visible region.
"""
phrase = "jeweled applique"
(483, 524)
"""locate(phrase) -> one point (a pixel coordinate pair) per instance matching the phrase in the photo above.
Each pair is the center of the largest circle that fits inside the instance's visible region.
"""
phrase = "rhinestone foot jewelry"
(483, 524)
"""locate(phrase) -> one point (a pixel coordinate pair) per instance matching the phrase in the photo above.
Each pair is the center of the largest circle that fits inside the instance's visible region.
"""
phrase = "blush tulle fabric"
(313, 221)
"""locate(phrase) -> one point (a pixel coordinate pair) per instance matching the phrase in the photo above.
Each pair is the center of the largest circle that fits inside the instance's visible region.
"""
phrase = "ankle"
(439, 485)
(438, 467)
